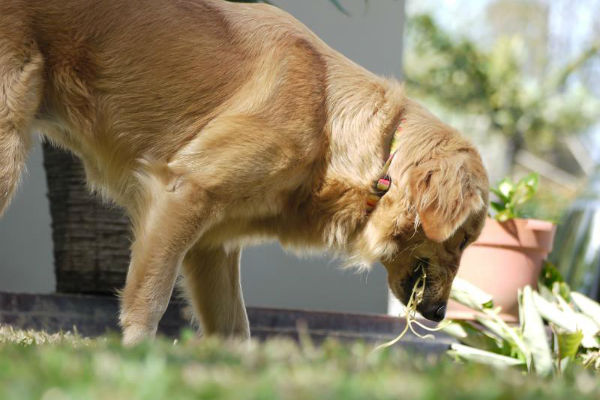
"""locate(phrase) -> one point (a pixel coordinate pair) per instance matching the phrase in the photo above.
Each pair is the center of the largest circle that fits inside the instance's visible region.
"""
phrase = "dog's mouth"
(430, 309)
(408, 283)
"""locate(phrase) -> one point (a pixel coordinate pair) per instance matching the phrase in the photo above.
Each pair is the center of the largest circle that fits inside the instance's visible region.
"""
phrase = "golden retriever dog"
(217, 124)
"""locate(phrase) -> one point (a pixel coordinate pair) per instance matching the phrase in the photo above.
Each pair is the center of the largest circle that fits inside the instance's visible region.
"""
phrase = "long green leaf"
(587, 306)
(582, 322)
(590, 331)
(534, 334)
(484, 357)
(470, 335)
(550, 312)
(470, 295)
(568, 343)
(561, 289)
(510, 335)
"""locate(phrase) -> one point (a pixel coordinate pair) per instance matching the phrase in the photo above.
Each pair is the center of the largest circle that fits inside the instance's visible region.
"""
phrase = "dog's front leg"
(212, 281)
(171, 222)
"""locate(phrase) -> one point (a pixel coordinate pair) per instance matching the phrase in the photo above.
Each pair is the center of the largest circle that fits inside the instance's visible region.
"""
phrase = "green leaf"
(470, 295)
(561, 289)
(496, 206)
(568, 343)
(546, 293)
(482, 356)
(504, 215)
(531, 180)
(521, 195)
(494, 327)
(510, 335)
(471, 335)
(552, 313)
(589, 329)
(534, 334)
(501, 197)
(550, 274)
(587, 306)
(506, 188)
(582, 322)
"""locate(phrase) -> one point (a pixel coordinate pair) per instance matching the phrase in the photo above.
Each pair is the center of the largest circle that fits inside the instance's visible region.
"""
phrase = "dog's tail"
(20, 94)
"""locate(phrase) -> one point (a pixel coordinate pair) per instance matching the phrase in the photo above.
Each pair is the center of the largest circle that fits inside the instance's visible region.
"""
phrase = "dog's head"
(435, 207)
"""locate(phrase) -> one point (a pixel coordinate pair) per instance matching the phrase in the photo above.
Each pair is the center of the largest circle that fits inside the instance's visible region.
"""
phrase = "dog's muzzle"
(433, 311)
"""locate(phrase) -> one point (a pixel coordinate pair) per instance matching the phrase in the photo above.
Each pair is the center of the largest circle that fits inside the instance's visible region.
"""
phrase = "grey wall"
(371, 36)
(25, 242)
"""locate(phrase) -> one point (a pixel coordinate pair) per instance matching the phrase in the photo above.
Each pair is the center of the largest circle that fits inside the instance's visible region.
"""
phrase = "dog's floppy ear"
(445, 192)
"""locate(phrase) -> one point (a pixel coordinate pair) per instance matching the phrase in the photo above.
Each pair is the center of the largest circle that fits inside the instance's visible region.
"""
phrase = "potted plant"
(510, 251)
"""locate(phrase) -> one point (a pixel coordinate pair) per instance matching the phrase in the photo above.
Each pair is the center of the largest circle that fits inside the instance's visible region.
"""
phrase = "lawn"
(35, 365)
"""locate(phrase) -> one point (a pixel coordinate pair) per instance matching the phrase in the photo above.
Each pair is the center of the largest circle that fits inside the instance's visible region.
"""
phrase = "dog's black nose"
(441, 312)
(435, 312)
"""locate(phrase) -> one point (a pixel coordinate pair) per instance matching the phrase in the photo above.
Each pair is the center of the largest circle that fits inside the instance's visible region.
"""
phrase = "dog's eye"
(464, 242)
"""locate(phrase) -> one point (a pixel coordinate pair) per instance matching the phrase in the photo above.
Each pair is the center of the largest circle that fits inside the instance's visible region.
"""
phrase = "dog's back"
(125, 80)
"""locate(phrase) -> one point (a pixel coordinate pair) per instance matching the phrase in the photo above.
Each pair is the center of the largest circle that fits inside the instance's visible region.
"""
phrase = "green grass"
(35, 365)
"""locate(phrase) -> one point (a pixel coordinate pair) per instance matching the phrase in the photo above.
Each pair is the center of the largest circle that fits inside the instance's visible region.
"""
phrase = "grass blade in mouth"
(416, 298)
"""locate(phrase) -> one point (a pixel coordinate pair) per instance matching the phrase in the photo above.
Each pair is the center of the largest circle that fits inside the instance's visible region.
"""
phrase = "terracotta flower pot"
(507, 256)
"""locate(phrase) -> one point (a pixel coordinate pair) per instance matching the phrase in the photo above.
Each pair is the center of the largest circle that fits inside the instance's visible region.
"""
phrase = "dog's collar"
(382, 185)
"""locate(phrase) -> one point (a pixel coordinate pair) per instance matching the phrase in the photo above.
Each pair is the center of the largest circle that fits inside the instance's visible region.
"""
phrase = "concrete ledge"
(96, 315)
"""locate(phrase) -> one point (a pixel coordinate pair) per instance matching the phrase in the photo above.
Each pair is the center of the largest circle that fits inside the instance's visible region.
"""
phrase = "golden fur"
(215, 124)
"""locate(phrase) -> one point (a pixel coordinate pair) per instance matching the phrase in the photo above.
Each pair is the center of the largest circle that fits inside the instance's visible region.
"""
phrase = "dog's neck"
(361, 140)
(363, 120)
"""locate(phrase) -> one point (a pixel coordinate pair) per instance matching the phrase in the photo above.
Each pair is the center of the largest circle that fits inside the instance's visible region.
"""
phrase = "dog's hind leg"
(212, 281)
(20, 93)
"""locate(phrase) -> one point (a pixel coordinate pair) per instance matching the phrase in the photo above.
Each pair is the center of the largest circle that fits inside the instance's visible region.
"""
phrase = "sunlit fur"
(216, 125)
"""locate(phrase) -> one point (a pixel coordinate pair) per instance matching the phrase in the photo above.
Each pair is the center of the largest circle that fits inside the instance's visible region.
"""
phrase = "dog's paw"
(133, 335)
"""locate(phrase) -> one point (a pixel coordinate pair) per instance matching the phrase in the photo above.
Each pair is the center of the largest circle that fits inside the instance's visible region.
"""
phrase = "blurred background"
(521, 78)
